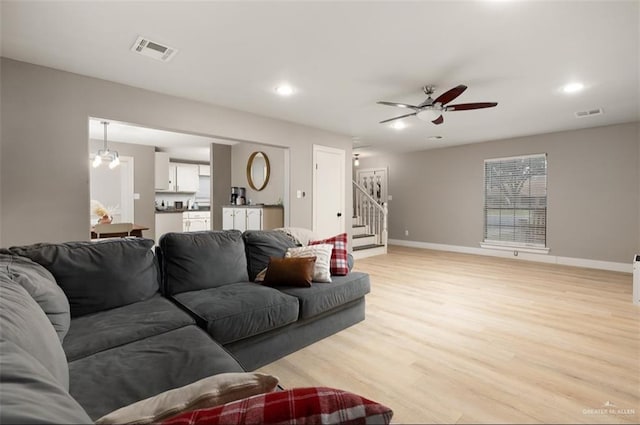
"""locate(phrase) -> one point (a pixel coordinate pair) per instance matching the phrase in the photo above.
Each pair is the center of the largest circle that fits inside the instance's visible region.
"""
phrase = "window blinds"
(515, 201)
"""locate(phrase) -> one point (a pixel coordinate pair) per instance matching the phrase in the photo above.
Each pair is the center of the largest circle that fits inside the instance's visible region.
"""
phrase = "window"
(515, 202)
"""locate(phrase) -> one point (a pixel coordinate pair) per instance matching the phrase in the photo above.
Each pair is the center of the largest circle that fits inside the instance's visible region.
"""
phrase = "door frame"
(315, 203)
(385, 191)
(127, 210)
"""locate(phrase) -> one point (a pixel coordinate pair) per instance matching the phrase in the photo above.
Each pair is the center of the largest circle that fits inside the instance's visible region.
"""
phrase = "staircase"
(369, 233)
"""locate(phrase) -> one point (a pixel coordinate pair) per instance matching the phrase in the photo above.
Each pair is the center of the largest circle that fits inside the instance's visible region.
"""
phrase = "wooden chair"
(114, 230)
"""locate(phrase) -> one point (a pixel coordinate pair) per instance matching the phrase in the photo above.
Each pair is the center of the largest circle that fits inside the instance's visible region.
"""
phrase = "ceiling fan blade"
(397, 118)
(438, 120)
(467, 106)
(448, 96)
(399, 105)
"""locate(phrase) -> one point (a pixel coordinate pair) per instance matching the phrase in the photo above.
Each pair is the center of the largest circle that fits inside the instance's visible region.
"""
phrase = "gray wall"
(240, 154)
(44, 140)
(143, 180)
(593, 191)
(220, 182)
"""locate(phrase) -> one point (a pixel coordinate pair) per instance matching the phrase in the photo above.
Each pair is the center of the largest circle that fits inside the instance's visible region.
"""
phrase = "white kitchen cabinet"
(196, 221)
(172, 177)
(252, 218)
(204, 170)
(187, 179)
(161, 171)
(182, 177)
(168, 222)
(234, 218)
(227, 218)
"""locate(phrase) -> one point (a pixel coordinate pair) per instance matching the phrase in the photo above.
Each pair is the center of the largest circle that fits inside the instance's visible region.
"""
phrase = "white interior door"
(328, 191)
(113, 188)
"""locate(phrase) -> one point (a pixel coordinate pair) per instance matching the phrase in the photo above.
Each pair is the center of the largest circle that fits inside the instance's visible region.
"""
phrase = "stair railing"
(369, 213)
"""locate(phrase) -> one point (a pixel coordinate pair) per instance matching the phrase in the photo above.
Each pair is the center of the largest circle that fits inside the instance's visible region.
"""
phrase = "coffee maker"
(234, 195)
(242, 196)
(238, 195)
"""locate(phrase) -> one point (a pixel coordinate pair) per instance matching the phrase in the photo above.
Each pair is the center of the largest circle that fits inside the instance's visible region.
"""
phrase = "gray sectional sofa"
(86, 328)
(257, 324)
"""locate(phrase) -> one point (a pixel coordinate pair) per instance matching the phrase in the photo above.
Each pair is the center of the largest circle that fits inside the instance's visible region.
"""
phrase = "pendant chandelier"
(105, 154)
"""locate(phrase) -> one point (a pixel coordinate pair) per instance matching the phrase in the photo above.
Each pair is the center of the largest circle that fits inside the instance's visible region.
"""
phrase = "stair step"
(360, 240)
(370, 246)
(368, 251)
(358, 229)
(362, 235)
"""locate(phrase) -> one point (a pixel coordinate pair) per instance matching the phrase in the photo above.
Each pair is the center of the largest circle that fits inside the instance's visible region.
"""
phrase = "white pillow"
(322, 252)
(299, 234)
(208, 392)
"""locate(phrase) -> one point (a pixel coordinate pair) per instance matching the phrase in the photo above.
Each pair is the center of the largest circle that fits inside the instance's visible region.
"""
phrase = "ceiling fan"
(432, 110)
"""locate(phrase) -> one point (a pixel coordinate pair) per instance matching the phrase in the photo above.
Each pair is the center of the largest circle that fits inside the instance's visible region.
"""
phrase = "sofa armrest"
(350, 261)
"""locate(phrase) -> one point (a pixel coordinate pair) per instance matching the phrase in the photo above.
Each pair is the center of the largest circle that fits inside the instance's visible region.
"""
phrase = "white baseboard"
(541, 258)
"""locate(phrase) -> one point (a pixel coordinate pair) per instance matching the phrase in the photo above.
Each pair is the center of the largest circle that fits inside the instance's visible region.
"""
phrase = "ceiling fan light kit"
(429, 114)
(433, 110)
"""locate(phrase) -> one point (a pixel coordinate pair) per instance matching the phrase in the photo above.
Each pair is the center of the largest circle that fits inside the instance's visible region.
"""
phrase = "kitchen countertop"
(181, 210)
(253, 206)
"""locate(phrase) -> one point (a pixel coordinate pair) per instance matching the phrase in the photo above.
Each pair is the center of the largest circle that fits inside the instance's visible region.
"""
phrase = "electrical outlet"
(406, 233)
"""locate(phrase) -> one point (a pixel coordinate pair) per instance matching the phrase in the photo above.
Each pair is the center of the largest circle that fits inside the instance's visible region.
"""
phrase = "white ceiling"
(342, 57)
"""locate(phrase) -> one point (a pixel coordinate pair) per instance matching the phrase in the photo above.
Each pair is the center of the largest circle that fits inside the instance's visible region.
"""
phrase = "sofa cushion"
(323, 297)
(24, 323)
(261, 245)
(100, 331)
(97, 276)
(30, 395)
(240, 310)
(42, 287)
(202, 260)
(114, 378)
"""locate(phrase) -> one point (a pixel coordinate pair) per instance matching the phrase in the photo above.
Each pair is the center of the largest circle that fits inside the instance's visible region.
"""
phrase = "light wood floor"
(458, 338)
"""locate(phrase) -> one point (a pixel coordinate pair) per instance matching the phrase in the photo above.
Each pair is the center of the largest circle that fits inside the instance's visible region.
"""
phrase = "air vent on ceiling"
(589, 113)
(152, 49)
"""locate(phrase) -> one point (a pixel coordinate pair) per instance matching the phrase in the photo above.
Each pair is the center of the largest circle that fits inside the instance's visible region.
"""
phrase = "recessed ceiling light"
(284, 90)
(398, 125)
(573, 87)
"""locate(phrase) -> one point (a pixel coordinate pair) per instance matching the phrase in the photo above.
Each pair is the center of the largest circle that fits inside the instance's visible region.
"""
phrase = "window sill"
(519, 248)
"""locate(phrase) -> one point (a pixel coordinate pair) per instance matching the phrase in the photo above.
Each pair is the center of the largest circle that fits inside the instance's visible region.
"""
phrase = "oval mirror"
(258, 170)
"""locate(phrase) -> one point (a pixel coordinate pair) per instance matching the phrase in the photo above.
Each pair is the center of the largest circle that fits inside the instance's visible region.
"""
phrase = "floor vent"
(589, 113)
(152, 49)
